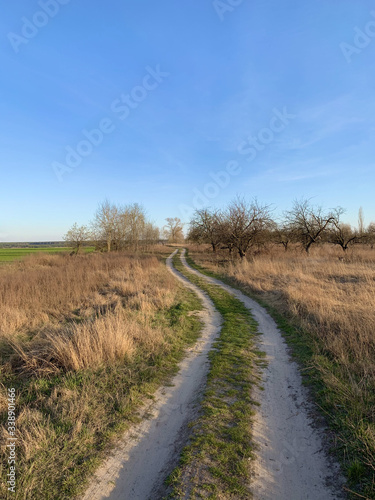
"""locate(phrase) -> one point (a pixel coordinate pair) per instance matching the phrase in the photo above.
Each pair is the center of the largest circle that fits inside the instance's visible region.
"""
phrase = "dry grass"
(331, 296)
(75, 313)
(46, 288)
(83, 340)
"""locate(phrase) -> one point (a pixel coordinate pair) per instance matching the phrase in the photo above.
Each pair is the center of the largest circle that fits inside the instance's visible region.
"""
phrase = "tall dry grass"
(63, 313)
(331, 296)
(83, 341)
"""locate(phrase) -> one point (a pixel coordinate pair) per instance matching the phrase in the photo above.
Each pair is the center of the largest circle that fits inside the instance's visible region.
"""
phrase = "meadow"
(84, 341)
(325, 305)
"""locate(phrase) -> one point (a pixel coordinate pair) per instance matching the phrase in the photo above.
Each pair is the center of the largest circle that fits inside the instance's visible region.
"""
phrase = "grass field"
(12, 254)
(325, 305)
(83, 341)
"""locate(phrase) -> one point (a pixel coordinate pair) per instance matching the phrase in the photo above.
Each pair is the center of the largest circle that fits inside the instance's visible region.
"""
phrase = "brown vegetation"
(82, 340)
(330, 296)
(47, 289)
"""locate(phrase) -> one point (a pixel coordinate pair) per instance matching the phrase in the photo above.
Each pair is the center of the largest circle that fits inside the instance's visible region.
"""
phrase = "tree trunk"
(242, 253)
(307, 248)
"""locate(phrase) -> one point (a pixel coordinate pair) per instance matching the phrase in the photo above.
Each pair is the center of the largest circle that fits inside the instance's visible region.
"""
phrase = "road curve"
(149, 451)
(292, 462)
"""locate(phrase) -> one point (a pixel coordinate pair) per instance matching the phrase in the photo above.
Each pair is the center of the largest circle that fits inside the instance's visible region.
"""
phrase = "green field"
(12, 254)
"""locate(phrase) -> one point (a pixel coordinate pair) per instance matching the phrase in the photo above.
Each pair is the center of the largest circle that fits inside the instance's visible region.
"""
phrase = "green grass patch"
(216, 462)
(13, 254)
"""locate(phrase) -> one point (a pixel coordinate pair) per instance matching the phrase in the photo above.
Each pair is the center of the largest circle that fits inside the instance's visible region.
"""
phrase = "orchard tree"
(308, 223)
(245, 223)
(283, 235)
(342, 234)
(205, 227)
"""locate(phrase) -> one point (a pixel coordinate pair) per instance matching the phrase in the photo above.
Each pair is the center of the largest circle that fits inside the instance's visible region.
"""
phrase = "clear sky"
(279, 94)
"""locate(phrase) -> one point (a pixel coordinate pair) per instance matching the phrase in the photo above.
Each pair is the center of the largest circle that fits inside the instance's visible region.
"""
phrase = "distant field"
(12, 254)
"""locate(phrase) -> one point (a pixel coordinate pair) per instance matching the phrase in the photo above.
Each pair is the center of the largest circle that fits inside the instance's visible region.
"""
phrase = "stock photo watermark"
(31, 26)
(361, 40)
(249, 149)
(223, 7)
(121, 109)
(11, 441)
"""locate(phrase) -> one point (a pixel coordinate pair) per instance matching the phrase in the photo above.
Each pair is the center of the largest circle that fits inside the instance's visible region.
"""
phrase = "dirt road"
(147, 453)
(291, 464)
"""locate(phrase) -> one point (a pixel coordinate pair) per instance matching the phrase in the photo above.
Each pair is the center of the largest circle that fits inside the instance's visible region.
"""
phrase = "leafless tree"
(308, 223)
(173, 230)
(361, 221)
(205, 227)
(137, 221)
(342, 234)
(371, 234)
(151, 234)
(245, 223)
(119, 227)
(105, 223)
(283, 235)
(77, 236)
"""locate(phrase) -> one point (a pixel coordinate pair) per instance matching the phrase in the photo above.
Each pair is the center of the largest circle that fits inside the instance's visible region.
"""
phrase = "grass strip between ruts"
(217, 459)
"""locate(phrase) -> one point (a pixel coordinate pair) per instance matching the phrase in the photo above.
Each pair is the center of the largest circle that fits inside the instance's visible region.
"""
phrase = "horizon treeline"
(239, 227)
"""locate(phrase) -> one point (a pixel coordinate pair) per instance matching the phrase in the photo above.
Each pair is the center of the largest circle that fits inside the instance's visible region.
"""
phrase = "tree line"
(115, 227)
(243, 225)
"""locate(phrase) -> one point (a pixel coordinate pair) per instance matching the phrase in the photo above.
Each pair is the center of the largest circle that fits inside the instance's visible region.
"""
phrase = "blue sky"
(225, 72)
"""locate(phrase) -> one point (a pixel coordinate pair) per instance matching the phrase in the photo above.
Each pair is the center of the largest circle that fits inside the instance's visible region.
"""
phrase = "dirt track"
(147, 453)
(291, 464)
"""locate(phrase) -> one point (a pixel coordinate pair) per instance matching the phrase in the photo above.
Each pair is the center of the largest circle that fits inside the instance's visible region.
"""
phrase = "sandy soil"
(292, 458)
(148, 452)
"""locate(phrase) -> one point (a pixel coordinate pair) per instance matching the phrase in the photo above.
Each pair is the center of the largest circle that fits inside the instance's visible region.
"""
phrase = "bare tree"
(342, 234)
(283, 235)
(173, 230)
(137, 221)
(151, 234)
(308, 223)
(105, 223)
(371, 234)
(77, 236)
(122, 228)
(361, 221)
(245, 222)
(205, 227)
